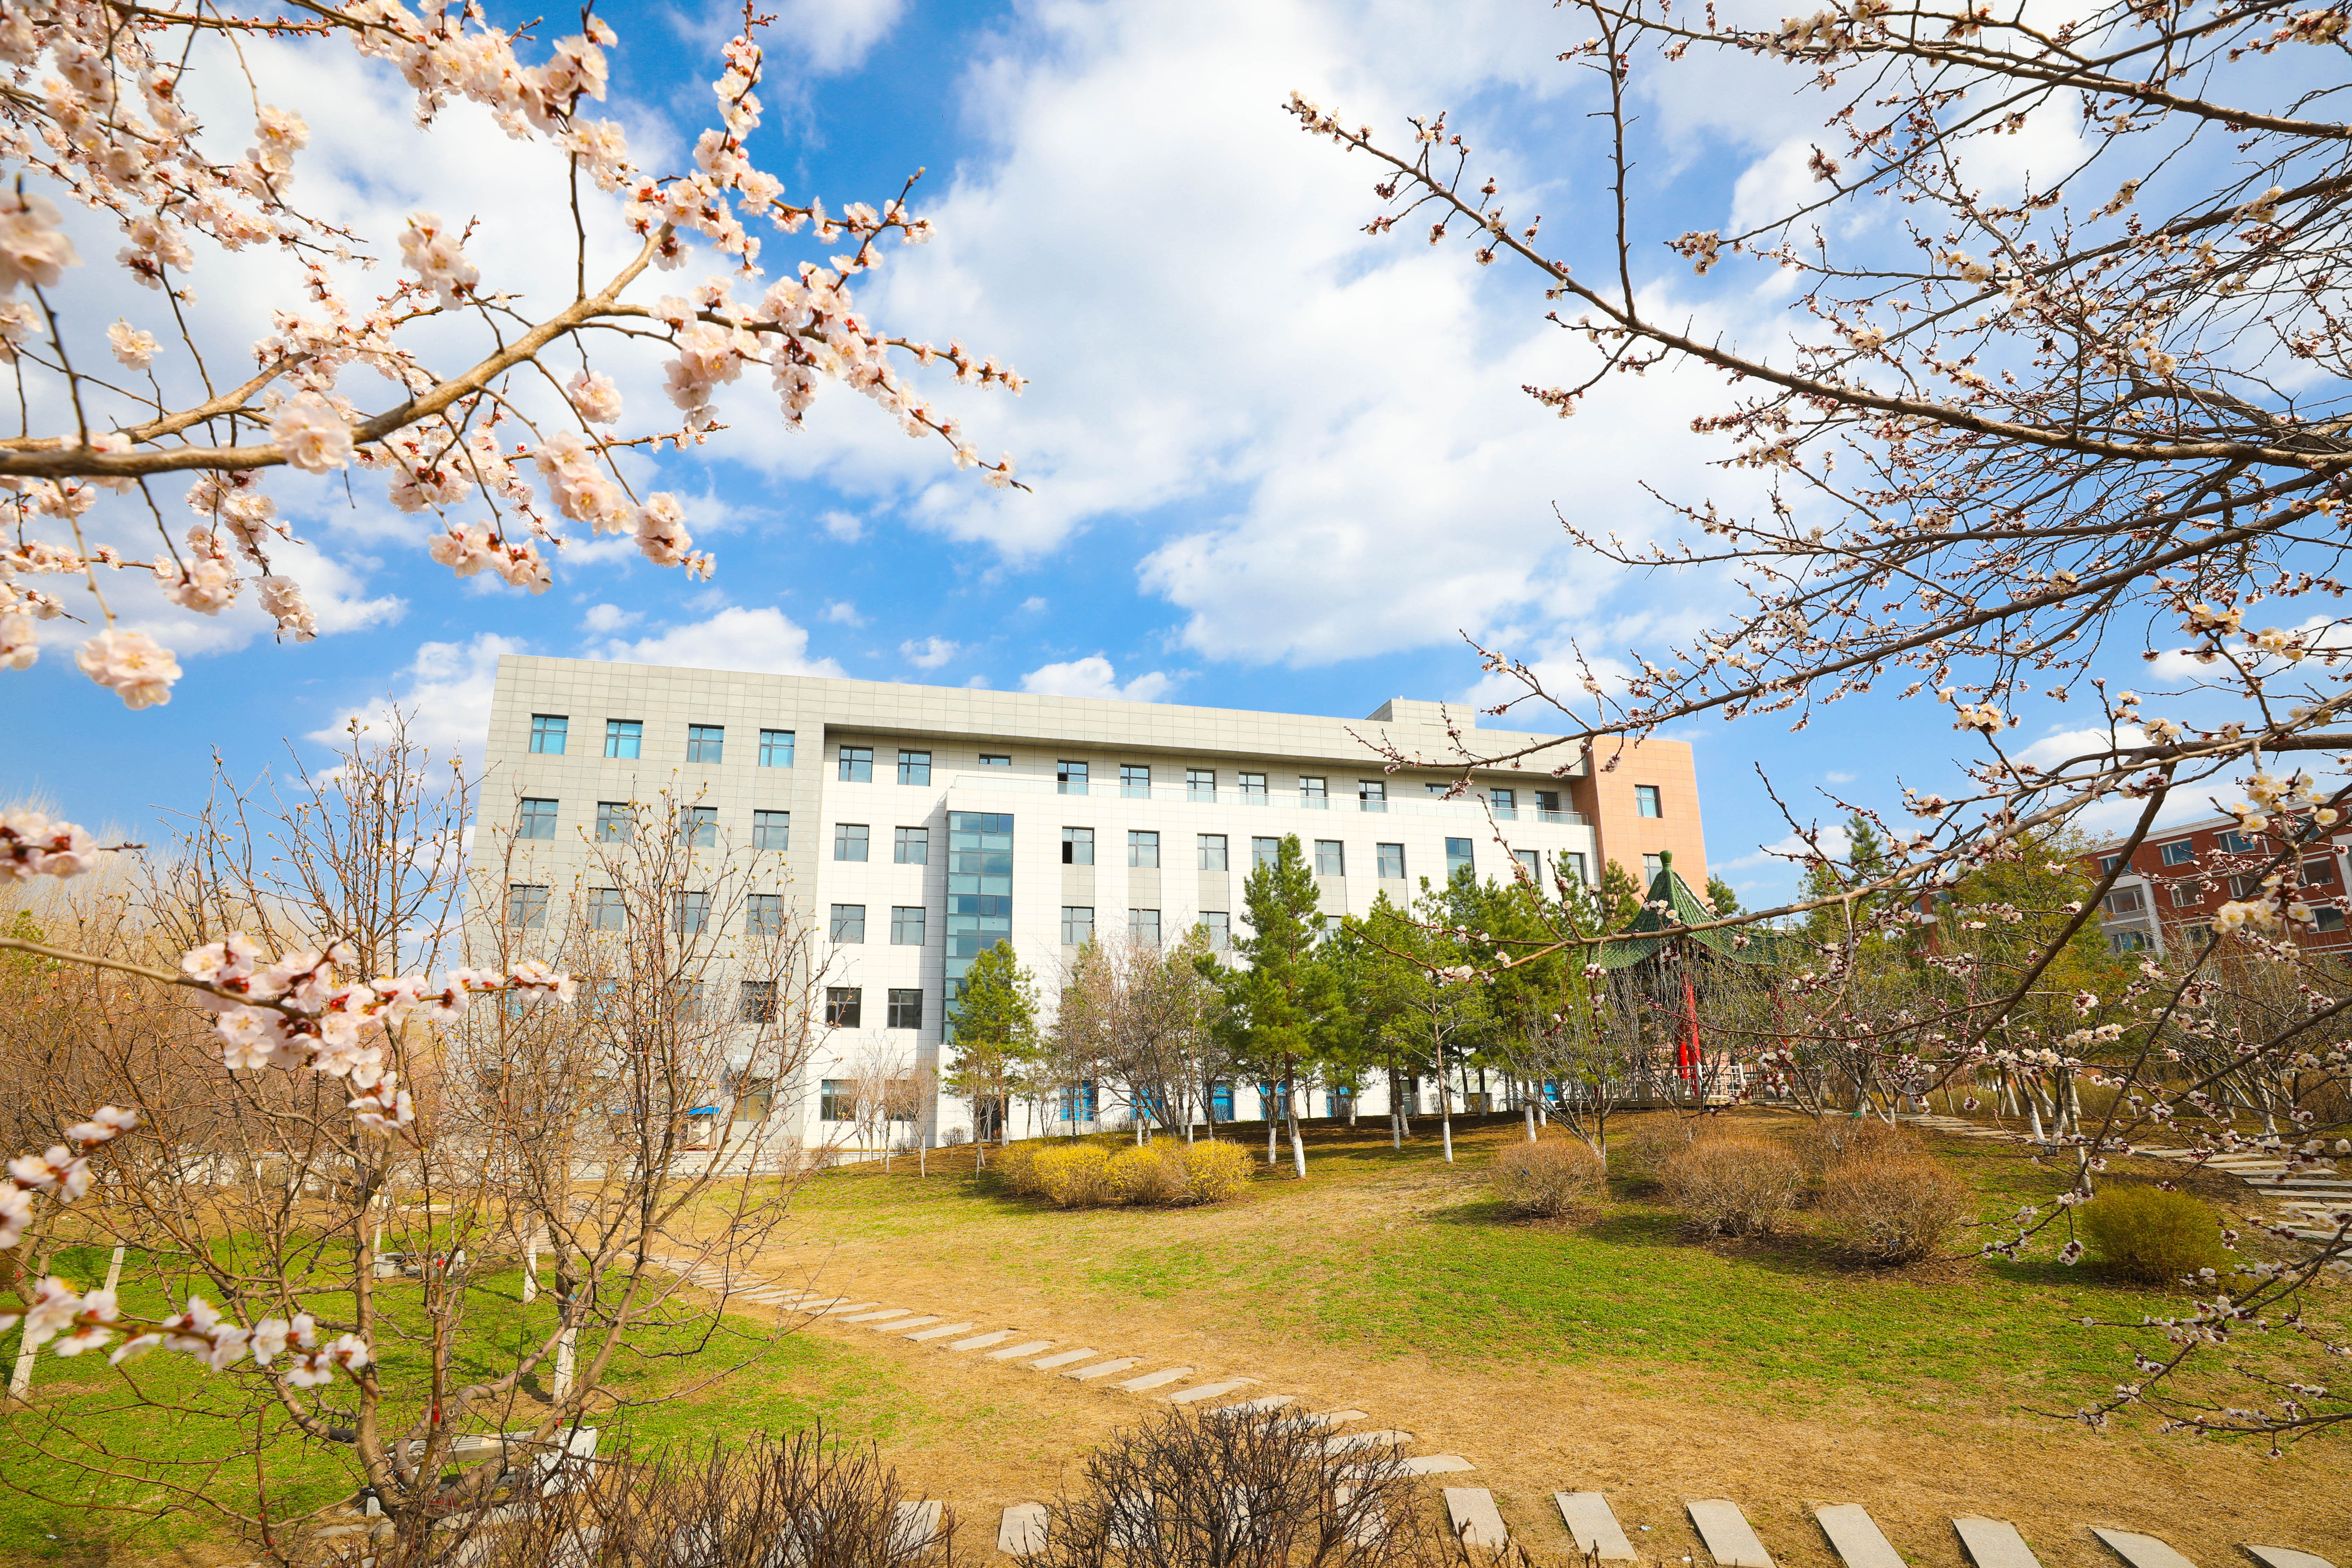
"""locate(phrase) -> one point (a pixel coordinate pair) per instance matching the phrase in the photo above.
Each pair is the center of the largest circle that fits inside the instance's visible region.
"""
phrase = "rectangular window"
(1143, 848)
(706, 743)
(1457, 857)
(772, 830)
(1265, 852)
(1212, 851)
(690, 912)
(1077, 847)
(995, 760)
(1650, 865)
(1330, 858)
(856, 766)
(838, 1100)
(1506, 803)
(757, 1004)
(1572, 861)
(2107, 863)
(905, 925)
(2318, 873)
(1144, 925)
(1314, 794)
(1391, 861)
(910, 846)
(624, 738)
(906, 1009)
(2198, 935)
(849, 922)
(536, 820)
(546, 733)
(2246, 885)
(1531, 860)
(845, 1006)
(914, 767)
(1219, 923)
(1134, 781)
(698, 827)
(2234, 842)
(1071, 777)
(776, 748)
(1078, 925)
(605, 911)
(616, 822)
(526, 906)
(2181, 854)
(2186, 894)
(1436, 789)
(1548, 806)
(2328, 919)
(1254, 784)
(849, 840)
(1199, 784)
(2125, 941)
(1372, 794)
(1645, 801)
(763, 914)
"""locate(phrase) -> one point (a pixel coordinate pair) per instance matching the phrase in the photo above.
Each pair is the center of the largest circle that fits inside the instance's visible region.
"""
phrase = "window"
(1330, 858)
(1143, 848)
(1134, 781)
(2328, 919)
(905, 925)
(1199, 784)
(1645, 801)
(1532, 860)
(2127, 942)
(772, 830)
(2246, 885)
(1457, 857)
(1144, 925)
(2107, 863)
(906, 1009)
(526, 906)
(849, 922)
(698, 827)
(537, 819)
(546, 733)
(1265, 852)
(2318, 873)
(1219, 924)
(705, 743)
(2124, 902)
(1313, 793)
(1078, 1103)
(2198, 935)
(911, 847)
(1572, 864)
(1650, 865)
(2181, 854)
(1506, 802)
(1254, 784)
(914, 767)
(995, 760)
(1372, 794)
(856, 765)
(758, 1002)
(1212, 851)
(690, 911)
(2234, 842)
(605, 911)
(624, 737)
(1548, 804)
(1436, 789)
(2186, 894)
(1078, 925)
(616, 822)
(1077, 847)
(849, 840)
(1071, 777)
(763, 914)
(776, 748)
(1388, 861)
(837, 1102)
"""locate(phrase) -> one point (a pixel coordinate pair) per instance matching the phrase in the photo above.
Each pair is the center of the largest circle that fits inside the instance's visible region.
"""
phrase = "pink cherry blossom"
(132, 664)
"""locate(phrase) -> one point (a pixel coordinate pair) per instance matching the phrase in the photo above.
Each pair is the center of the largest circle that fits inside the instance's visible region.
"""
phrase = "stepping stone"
(1366, 1525)
(818, 1308)
(880, 1316)
(893, 1328)
(2141, 1551)
(2284, 1557)
(1151, 1380)
(943, 1331)
(1322, 1419)
(1993, 1543)
(1355, 1440)
(771, 1298)
(847, 1307)
(1475, 1523)
(1258, 1406)
(1859, 1540)
(1437, 1464)
(1104, 1369)
(914, 1526)
(1210, 1390)
(1021, 1532)
(1015, 1352)
(1068, 1358)
(1729, 1539)
(1594, 1526)
(981, 1342)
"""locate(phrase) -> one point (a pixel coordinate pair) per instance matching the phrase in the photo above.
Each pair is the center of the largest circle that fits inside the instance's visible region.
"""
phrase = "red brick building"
(2179, 876)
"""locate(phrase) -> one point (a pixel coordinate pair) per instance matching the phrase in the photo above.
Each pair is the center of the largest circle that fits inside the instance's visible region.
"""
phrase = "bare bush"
(1829, 1138)
(1555, 1178)
(1732, 1184)
(1893, 1206)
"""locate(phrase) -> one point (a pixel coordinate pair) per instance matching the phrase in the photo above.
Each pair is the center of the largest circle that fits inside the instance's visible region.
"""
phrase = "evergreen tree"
(1721, 899)
(995, 1038)
(1284, 1004)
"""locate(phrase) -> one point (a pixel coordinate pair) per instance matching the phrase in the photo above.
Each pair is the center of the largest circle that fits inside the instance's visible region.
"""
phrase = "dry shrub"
(2152, 1236)
(1214, 1171)
(1078, 1176)
(1893, 1206)
(1144, 1175)
(1729, 1184)
(1165, 1174)
(1555, 1178)
(1014, 1168)
(1829, 1138)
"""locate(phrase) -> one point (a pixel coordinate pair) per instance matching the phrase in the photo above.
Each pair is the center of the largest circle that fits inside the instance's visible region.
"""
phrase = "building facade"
(915, 826)
(2165, 897)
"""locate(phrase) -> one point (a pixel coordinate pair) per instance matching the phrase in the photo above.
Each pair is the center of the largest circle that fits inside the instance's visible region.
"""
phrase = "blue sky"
(1276, 464)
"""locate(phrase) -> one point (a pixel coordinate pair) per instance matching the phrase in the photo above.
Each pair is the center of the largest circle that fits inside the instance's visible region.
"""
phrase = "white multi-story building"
(921, 825)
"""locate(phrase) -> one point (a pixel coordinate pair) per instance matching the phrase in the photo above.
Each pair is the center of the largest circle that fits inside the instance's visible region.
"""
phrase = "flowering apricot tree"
(2028, 416)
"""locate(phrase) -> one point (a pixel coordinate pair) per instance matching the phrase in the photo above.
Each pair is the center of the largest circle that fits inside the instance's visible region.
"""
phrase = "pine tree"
(1284, 1004)
(1721, 899)
(995, 1037)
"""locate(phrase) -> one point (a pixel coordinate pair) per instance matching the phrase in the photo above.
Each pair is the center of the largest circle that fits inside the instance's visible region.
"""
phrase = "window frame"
(1649, 802)
(1070, 926)
(604, 902)
(995, 759)
(2179, 852)
(1248, 784)
(755, 1002)
(763, 914)
(1140, 841)
(1462, 859)
(533, 915)
(846, 925)
(527, 817)
(1334, 850)
(694, 901)
(900, 843)
(706, 745)
(624, 740)
(1260, 855)
(775, 740)
(845, 1006)
(860, 834)
(1199, 784)
(911, 763)
(1315, 792)
(1134, 781)
(853, 764)
(546, 727)
(898, 925)
(1219, 924)
(1383, 860)
(1071, 776)
(1218, 844)
(1136, 922)
(1083, 839)
(897, 999)
(776, 824)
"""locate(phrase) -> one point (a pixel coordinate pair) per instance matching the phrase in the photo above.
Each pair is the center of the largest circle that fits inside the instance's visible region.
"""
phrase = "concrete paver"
(1476, 1524)
(1860, 1542)
(1730, 1539)
(1993, 1543)
(1593, 1525)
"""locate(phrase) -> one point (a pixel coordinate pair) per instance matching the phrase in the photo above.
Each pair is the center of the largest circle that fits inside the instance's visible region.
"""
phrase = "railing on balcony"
(1196, 795)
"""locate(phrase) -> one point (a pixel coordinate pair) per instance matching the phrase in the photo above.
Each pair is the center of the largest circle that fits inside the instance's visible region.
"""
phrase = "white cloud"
(1837, 778)
(445, 690)
(930, 653)
(846, 526)
(1034, 604)
(761, 641)
(842, 613)
(606, 619)
(834, 35)
(1093, 677)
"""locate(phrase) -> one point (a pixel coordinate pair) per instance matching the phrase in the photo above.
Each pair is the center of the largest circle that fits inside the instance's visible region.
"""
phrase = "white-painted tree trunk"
(114, 1269)
(564, 1364)
(531, 1265)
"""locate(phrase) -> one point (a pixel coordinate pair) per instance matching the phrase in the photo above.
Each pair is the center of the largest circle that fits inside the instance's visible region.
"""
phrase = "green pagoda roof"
(1669, 906)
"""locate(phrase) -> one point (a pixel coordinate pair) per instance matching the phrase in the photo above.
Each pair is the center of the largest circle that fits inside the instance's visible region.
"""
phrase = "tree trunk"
(1298, 1145)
